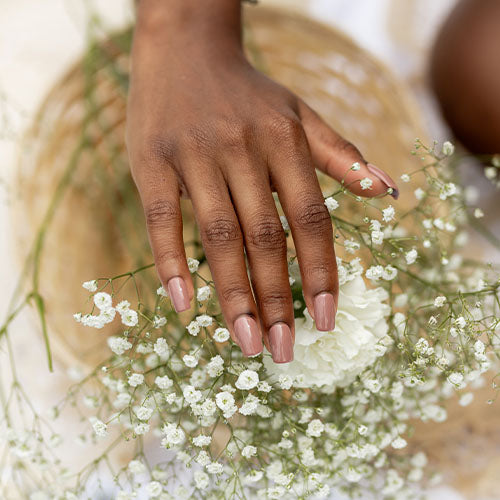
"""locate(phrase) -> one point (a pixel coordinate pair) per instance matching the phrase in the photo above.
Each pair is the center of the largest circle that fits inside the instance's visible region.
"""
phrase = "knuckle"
(198, 139)
(221, 231)
(275, 301)
(158, 149)
(287, 130)
(347, 147)
(234, 293)
(235, 137)
(313, 217)
(268, 234)
(161, 213)
(166, 255)
(323, 271)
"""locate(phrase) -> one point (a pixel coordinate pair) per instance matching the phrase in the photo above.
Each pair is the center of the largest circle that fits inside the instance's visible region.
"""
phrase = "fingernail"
(384, 178)
(280, 338)
(248, 335)
(324, 312)
(177, 291)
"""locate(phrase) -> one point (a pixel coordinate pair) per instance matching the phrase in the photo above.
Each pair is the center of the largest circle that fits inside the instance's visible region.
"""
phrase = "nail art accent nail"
(248, 335)
(324, 312)
(384, 178)
(280, 339)
(178, 293)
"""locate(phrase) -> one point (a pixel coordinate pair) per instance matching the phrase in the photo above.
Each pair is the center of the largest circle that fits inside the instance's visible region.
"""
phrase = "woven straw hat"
(76, 151)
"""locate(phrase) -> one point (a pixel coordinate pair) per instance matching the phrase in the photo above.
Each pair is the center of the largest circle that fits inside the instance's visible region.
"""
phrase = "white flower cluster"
(414, 326)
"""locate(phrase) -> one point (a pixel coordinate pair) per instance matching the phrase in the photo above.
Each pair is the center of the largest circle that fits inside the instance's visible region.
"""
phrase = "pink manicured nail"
(280, 338)
(384, 178)
(248, 335)
(324, 312)
(177, 291)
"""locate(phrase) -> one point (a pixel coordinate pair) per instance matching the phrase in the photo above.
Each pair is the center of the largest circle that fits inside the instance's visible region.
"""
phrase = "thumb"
(335, 156)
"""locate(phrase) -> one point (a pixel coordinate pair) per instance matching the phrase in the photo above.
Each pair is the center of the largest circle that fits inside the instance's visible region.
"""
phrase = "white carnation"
(335, 359)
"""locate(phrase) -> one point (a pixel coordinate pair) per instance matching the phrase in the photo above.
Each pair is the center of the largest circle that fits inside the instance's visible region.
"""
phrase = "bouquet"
(416, 323)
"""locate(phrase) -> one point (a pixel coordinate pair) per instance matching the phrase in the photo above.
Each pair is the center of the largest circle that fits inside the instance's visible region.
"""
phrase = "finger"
(159, 190)
(336, 156)
(293, 175)
(266, 249)
(223, 244)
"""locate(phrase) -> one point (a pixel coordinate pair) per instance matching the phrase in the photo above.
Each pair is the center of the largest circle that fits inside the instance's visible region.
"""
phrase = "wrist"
(191, 23)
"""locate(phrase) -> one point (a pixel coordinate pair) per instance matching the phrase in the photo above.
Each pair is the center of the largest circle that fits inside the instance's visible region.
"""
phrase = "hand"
(204, 123)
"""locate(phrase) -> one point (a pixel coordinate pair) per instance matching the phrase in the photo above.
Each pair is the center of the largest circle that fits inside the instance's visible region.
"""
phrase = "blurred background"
(40, 40)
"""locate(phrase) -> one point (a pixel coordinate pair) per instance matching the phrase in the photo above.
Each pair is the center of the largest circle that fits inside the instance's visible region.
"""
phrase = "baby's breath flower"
(374, 272)
(419, 194)
(174, 435)
(466, 399)
(248, 379)
(351, 246)
(141, 428)
(249, 451)
(201, 480)
(91, 286)
(201, 440)
(161, 292)
(448, 148)
(491, 173)
(399, 443)
(221, 335)
(144, 413)
(405, 178)
(366, 183)
(203, 293)
(356, 166)
(439, 301)
(119, 345)
(388, 213)
(389, 273)
(331, 204)
(456, 379)
(193, 265)
(204, 320)
(214, 468)
(100, 428)
(478, 213)
(159, 321)
(122, 306)
(136, 467)
(154, 489)
(189, 360)
(193, 328)
(447, 190)
(411, 256)
(315, 428)
(130, 317)
(161, 348)
(250, 406)
(377, 237)
(136, 379)
(224, 400)
(103, 300)
(285, 381)
(163, 382)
